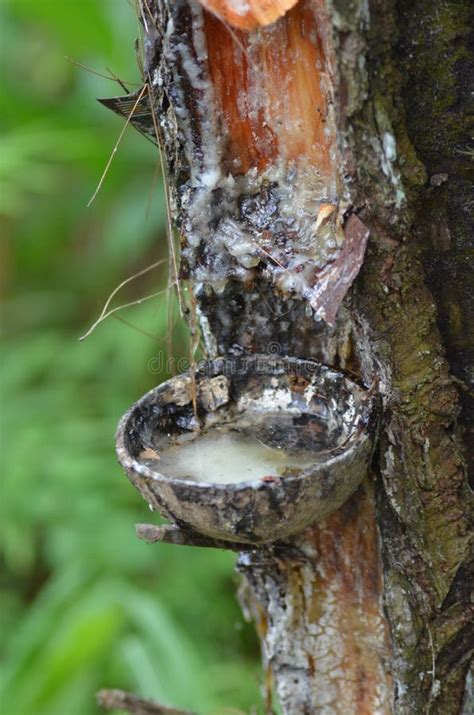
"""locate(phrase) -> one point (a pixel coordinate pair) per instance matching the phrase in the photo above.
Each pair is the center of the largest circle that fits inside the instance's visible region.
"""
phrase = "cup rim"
(357, 438)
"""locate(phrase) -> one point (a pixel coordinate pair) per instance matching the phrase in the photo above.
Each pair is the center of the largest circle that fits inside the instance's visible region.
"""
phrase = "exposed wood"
(248, 14)
(272, 107)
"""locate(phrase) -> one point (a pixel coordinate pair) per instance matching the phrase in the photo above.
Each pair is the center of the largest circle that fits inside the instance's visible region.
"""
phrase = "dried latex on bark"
(248, 14)
(278, 161)
(253, 151)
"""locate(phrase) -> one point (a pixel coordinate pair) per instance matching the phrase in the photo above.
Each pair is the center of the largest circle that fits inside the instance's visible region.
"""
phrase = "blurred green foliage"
(83, 603)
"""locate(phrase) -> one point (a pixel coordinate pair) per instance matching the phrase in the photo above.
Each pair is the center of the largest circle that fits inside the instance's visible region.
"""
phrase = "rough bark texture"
(318, 611)
(373, 615)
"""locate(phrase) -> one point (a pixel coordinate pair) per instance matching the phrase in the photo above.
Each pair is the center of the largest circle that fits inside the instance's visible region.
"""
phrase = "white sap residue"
(227, 457)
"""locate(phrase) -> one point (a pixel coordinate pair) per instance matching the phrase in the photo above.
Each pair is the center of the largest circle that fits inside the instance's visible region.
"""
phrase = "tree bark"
(349, 108)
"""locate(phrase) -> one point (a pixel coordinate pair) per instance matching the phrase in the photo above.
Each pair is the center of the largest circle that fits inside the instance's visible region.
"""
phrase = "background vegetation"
(83, 603)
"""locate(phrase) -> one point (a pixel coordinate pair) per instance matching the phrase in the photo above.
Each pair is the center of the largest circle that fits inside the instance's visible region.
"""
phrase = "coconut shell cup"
(270, 508)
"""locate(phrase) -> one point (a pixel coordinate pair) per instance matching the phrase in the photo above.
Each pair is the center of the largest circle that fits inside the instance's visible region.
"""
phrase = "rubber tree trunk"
(278, 127)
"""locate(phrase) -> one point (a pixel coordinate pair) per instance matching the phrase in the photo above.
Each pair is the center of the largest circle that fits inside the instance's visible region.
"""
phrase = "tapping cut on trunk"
(248, 14)
(255, 167)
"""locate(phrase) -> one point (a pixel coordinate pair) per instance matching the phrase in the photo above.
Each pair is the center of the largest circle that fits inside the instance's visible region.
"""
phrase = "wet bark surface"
(370, 612)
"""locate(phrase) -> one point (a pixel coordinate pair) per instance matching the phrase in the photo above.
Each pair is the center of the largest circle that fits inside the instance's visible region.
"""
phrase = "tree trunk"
(274, 136)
